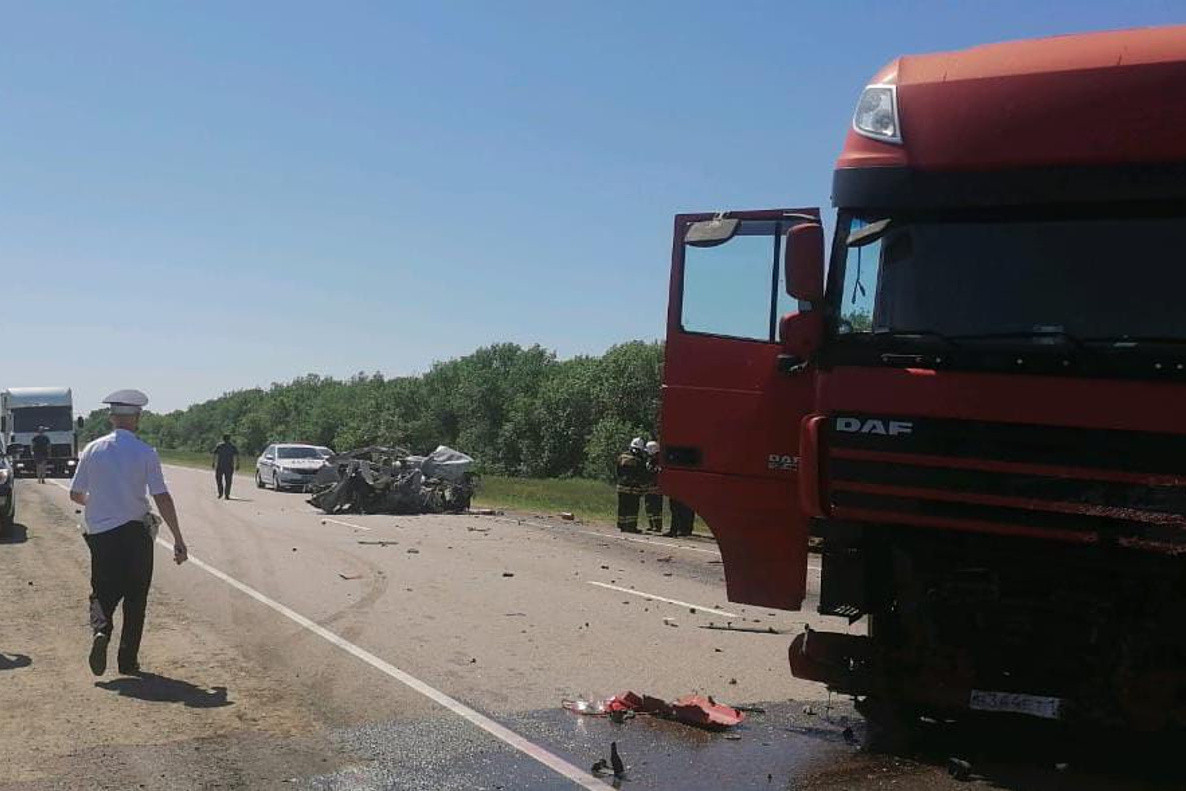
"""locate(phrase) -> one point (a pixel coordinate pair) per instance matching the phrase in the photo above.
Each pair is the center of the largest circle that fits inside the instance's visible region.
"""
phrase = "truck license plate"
(1016, 703)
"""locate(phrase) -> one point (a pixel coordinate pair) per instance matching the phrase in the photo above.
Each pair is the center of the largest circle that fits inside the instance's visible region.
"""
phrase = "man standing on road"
(114, 474)
(41, 446)
(652, 497)
(225, 463)
(631, 475)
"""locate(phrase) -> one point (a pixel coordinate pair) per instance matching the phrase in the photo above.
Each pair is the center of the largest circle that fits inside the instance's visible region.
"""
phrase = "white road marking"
(554, 762)
(504, 734)
(651, 541)
(346, 524)
(663, 599)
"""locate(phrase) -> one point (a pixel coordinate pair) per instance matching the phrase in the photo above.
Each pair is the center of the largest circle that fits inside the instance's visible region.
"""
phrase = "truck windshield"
(54, 418)
(1088, 278)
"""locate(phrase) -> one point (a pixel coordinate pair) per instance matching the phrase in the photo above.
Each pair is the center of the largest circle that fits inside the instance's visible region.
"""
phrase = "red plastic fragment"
(705, 712)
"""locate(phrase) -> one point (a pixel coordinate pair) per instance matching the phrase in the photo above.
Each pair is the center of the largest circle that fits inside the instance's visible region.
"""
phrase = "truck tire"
(890, 729)
(259, 482)
(276, 482)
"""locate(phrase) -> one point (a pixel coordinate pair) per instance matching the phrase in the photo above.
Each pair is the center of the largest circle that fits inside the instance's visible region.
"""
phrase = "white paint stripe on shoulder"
(345, 524)
(653, 542)
(663, 599)
(611, 536)
(500, 732)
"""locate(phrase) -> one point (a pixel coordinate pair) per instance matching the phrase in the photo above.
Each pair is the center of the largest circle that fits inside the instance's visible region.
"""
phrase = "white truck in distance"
(22, 410)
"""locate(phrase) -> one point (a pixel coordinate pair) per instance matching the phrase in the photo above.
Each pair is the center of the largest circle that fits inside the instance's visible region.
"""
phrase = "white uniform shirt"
(117, 472)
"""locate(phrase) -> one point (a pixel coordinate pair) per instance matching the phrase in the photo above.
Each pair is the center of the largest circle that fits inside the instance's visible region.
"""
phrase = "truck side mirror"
(803, 262)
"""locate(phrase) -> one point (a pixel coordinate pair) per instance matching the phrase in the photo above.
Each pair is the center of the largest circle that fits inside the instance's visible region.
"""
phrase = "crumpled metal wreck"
(379, 480)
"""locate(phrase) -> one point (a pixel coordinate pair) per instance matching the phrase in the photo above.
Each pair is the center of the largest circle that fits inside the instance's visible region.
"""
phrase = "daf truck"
(977, 409)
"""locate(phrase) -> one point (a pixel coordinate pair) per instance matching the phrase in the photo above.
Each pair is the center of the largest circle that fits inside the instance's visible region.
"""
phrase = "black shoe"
(129, 668)
(630, 530)
(98, 656)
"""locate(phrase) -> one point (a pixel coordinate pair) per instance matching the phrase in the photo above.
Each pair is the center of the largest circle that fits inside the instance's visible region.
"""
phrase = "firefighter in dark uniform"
(652, 497)
(682, 519)
(632, 478)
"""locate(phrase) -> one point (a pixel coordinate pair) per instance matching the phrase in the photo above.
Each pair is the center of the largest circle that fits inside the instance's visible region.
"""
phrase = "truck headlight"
(876, 115)
(5, 474)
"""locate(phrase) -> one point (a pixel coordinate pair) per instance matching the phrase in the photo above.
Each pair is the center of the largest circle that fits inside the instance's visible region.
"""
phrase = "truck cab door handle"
(791, 364)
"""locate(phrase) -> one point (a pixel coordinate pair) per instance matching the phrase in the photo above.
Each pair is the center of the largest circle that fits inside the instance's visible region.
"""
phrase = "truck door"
(735, 392)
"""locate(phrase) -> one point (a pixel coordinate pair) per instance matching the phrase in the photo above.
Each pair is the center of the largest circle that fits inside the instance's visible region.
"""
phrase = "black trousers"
(682, 519)
(223, 479)
(654, 506)
(121, 569)
(628, 511)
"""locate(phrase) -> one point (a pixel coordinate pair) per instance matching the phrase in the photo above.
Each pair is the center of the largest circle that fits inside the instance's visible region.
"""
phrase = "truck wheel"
(276, 482)
(259, 482)
(889, 729)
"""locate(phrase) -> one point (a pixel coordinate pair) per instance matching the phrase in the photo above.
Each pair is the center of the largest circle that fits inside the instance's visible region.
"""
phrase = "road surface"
(431, 652)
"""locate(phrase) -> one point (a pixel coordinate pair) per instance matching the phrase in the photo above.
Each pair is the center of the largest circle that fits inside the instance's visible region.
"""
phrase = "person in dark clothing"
(682, 518)
(631, 475)
(41, 446)
(652, 497)
(224, 464)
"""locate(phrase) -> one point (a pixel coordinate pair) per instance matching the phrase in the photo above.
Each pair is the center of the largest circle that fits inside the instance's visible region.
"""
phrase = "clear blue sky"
(208, 196)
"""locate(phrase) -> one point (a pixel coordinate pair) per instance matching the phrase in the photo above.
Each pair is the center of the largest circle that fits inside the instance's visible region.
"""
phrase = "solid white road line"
(554, 762)
(663, 599)
(504, 734)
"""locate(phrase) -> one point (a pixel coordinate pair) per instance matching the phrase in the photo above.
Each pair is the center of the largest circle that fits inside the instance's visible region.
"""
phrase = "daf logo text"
(888, 428)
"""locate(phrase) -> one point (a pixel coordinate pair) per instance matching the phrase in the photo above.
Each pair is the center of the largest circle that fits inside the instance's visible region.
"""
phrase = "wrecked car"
(382, 480)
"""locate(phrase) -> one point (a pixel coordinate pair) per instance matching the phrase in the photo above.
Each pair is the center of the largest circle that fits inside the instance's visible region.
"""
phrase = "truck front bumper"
(54, 466)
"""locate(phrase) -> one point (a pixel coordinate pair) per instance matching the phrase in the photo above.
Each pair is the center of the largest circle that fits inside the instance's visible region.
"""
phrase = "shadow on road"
(1031, 756)
(14, 661)
(162, 689)
(17, 534)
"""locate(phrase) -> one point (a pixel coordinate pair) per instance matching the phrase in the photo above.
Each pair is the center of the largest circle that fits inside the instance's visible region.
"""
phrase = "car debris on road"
(381, 480)
(697, 710)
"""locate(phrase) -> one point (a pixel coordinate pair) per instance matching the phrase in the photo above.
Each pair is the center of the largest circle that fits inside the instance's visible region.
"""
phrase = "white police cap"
(126, 402)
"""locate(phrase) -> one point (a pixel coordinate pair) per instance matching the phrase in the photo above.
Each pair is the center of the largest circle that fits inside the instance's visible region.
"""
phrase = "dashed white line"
(554, 762)
(345, 524)
(663, 599)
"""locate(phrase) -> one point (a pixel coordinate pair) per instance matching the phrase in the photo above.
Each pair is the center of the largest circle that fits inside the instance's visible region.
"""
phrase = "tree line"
(518, 411)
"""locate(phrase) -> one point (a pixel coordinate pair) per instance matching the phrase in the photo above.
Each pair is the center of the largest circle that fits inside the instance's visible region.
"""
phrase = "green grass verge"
(593, 501)
(193, 458)
(587, 499)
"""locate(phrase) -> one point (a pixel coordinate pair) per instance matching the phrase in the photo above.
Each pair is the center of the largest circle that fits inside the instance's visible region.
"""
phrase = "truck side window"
(861, 270)
(727, 288)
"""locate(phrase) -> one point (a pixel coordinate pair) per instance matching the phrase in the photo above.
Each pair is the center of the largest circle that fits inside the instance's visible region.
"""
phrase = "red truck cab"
(980, 416)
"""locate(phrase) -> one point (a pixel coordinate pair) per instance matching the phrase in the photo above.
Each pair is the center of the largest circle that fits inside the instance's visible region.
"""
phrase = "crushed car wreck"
(379, 480)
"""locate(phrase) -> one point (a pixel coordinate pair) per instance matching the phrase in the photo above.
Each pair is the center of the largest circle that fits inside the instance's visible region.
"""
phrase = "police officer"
(652, 497)
(631, 475)
(114, 476)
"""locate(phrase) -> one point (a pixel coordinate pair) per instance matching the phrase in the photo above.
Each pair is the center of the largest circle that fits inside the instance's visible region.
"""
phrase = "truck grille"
(1072, 484)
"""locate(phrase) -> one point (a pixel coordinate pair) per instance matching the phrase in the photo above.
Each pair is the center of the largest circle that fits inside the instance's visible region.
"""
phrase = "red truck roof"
(1089, 99)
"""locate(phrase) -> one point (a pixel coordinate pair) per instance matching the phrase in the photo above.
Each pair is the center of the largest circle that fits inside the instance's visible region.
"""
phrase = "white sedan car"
(288, 465)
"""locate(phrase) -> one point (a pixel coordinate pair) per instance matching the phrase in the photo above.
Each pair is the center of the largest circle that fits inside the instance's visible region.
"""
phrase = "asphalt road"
(432, 652)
